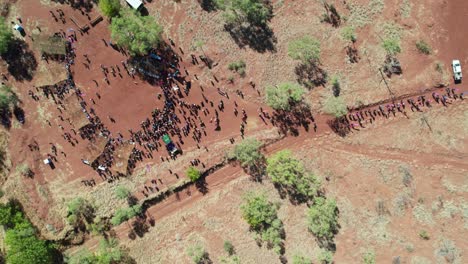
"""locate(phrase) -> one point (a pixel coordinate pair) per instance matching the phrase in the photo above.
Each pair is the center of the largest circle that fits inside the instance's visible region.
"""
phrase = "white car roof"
(455, 62)
(135, 3)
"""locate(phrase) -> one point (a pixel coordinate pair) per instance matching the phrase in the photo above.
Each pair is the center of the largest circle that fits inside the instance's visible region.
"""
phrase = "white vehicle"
(457, 72)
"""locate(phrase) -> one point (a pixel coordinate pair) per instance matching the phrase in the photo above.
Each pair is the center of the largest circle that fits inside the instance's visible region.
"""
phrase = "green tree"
(198, 254)
(262, 217)
(290, 174)
(122, 192)
(247, 152)
(7, 97)
(110, 8)
(134, 32)
(282, 96)
(238, 11)
(391, 46)
(193, 174)
(305, 49)
(335, 106)
(322, 218)
(349, 33)
(258, 211)
(6, 36)
(26, 248)
(80, 210)
(22, 243)
(301, 259)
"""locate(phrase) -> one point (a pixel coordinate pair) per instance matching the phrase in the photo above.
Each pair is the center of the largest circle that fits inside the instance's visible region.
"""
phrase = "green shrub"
(122, 192)
(325, 256)
(423, 47)
(348, 33)
(322, 218)
(282, 96)
(247, 152)
(290, 174)
(391, 46)
(424, 235)
(368, 257)
(262, 217)
(6, 36)
(237, 66)
(300, 259)
(198, 254)
(110, 8)
(335, 106)
(305, 49)
(229, 248)
(80, 210)
(193, 174)
(239, 11)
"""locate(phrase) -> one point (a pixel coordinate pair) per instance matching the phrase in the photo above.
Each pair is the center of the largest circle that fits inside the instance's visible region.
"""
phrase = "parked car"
(457, 72)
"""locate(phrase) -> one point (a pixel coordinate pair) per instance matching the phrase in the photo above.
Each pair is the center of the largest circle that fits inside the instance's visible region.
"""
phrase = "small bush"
(23, 169)
(306, 49)
(193, 174)
(391, 46)
(229, 248)
(335, 106)
(237, 66)
(348, 33)
(423, 47)
(325, 256)
(424, 235)
(198, 254)
(368, 257)
(336, 86)
(300, 259)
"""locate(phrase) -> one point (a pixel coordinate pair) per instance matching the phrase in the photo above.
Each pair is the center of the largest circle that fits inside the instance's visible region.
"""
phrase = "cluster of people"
(357, 119)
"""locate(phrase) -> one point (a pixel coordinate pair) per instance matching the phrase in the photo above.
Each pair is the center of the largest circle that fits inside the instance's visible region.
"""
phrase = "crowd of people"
(356, 120)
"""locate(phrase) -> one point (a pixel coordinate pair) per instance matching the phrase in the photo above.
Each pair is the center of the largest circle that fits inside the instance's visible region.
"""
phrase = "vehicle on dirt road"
(170, 146)
(457, 72)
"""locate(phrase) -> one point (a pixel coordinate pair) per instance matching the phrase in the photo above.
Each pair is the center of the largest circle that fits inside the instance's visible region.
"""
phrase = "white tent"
(135, 3)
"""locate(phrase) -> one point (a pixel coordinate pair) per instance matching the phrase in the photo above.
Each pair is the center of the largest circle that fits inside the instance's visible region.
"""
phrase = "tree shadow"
(353, 54)
(311, 75)
(392, 66)
(87, 5)
(339, 126)
(300, 115)
(202, 186)
(140, 227)
(258, 37)
(207, 5)
(21, 61)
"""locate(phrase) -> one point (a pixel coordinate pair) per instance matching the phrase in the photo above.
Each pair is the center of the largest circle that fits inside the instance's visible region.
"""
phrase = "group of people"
(358, 119)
